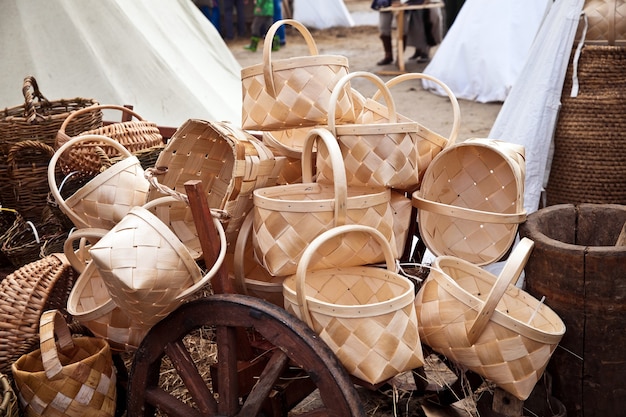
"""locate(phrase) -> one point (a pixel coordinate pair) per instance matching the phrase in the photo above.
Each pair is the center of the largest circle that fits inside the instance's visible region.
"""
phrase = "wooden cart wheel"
(292, 343)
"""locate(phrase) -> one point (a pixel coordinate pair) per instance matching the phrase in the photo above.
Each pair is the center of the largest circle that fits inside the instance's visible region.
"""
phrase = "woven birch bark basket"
(107, 197)
(365, 314)
(471, 200)
(73, 377)
(293, 92)
(288, 217)
(486, 323)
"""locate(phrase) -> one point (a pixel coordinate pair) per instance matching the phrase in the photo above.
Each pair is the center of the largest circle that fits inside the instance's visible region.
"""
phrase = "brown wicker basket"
(137, 136)
(74, 377)
(230, 162)
(486, 323)
(288, 217)
(293, 92)
(365, 314)
(8, 399)
(472, 200)
(24, 295)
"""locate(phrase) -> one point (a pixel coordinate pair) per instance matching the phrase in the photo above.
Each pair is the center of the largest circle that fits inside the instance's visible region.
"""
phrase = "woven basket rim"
(106, 306)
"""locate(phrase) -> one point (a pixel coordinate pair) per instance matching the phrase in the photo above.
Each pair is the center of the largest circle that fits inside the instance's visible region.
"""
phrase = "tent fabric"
(322, 14)
(529, 115)
(484, 50)
(161, 56)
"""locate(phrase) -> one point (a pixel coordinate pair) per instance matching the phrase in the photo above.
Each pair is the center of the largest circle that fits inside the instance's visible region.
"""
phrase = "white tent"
(484, 51)
(161, 56)
(322, 14)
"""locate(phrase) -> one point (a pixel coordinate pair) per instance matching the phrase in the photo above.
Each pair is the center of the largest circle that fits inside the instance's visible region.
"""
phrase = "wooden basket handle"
(52, 181)
(466, 213)
(456, 110)
(340, 182)
(26, 146)
(80, 258)
(240, 253)
(30, 90)
(315, 246)
(338, 89)
(52, 323)
(268, 69)
(509, 274)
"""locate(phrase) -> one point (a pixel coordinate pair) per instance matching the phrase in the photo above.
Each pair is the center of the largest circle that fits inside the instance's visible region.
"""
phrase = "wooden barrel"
(577, 267)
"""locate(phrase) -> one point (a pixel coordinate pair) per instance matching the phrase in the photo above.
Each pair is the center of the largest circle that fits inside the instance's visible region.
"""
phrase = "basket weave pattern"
(365, 314)
(74, 378)
(293, 92)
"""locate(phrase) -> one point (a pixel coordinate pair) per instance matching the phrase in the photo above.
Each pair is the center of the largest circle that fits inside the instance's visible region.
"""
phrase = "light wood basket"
(288, 217)
(486, 323)
(365, 314)
(293, 92)
(107, 197)
(472, 200)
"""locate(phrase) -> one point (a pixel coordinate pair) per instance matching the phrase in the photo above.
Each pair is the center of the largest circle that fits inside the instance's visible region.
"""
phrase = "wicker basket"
(486, 324)
(146, 268)
(8, 399)
(106, 199)
(89, 301)
(134, 135)
(74, 377)
(230, 162)
(472, 200)
(293, 92)
(288, 217)
(366, 315)
(26, 293)
(25, 241)
(7, 220)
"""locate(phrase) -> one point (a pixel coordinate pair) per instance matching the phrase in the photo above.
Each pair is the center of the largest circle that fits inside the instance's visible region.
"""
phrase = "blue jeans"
(278, 15)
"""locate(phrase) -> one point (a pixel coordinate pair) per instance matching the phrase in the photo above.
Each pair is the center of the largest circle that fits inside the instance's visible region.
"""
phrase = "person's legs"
(278, 15)
(384, 27)
(241, 18)
(228, 31)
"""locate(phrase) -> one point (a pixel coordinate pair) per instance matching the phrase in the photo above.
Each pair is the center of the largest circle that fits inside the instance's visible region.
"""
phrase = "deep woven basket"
(293, 92)
(365, 314)
(73, 377)
(148, 271)
(24, 295)
(288, 217)
(472, 200)
(108, 196)
(230, 162)
(136, 136)
(606, 23)
(7, 219)
(8, 399)
(590, 135)
(89, 301)
(486, 323)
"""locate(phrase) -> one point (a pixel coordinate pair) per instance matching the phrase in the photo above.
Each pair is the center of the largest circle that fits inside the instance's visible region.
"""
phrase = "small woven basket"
(8, 399)
(25, 241)
(487, 324)
(89, 301)
(135, 136)
(106, 198)
(288, 217)
(26, 293)
(250, 276)
(293, 92)
(230, 162)
(74, 377)
(365, 314)
(472, 200)
(146, 268)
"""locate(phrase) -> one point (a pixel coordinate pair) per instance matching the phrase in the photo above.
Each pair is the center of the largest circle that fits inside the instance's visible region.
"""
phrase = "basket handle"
(340, 182)
(52, 323)
(456, 110)
(315, 246)
(240, 253)
(25, 146)
(509, 274)
(52, 181)
(338, 89)
(268, 69)
(79, 258)
(30, 90)
(466, 213)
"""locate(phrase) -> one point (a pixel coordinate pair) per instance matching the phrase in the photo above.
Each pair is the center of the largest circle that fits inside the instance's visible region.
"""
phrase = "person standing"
(262, 20)
(230, 7)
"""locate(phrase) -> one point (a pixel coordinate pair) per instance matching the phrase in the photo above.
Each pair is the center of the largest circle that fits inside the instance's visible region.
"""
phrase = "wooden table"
(399, 14)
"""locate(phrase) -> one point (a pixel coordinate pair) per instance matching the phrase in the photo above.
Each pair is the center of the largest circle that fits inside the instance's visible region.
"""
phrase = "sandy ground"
(363, 48)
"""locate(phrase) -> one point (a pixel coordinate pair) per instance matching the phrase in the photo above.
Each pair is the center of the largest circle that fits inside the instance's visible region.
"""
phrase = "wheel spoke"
(264, 385)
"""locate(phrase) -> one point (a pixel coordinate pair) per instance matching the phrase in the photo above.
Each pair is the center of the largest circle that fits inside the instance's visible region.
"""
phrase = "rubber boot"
(388, 59)
(254, 42)
(275, 43)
